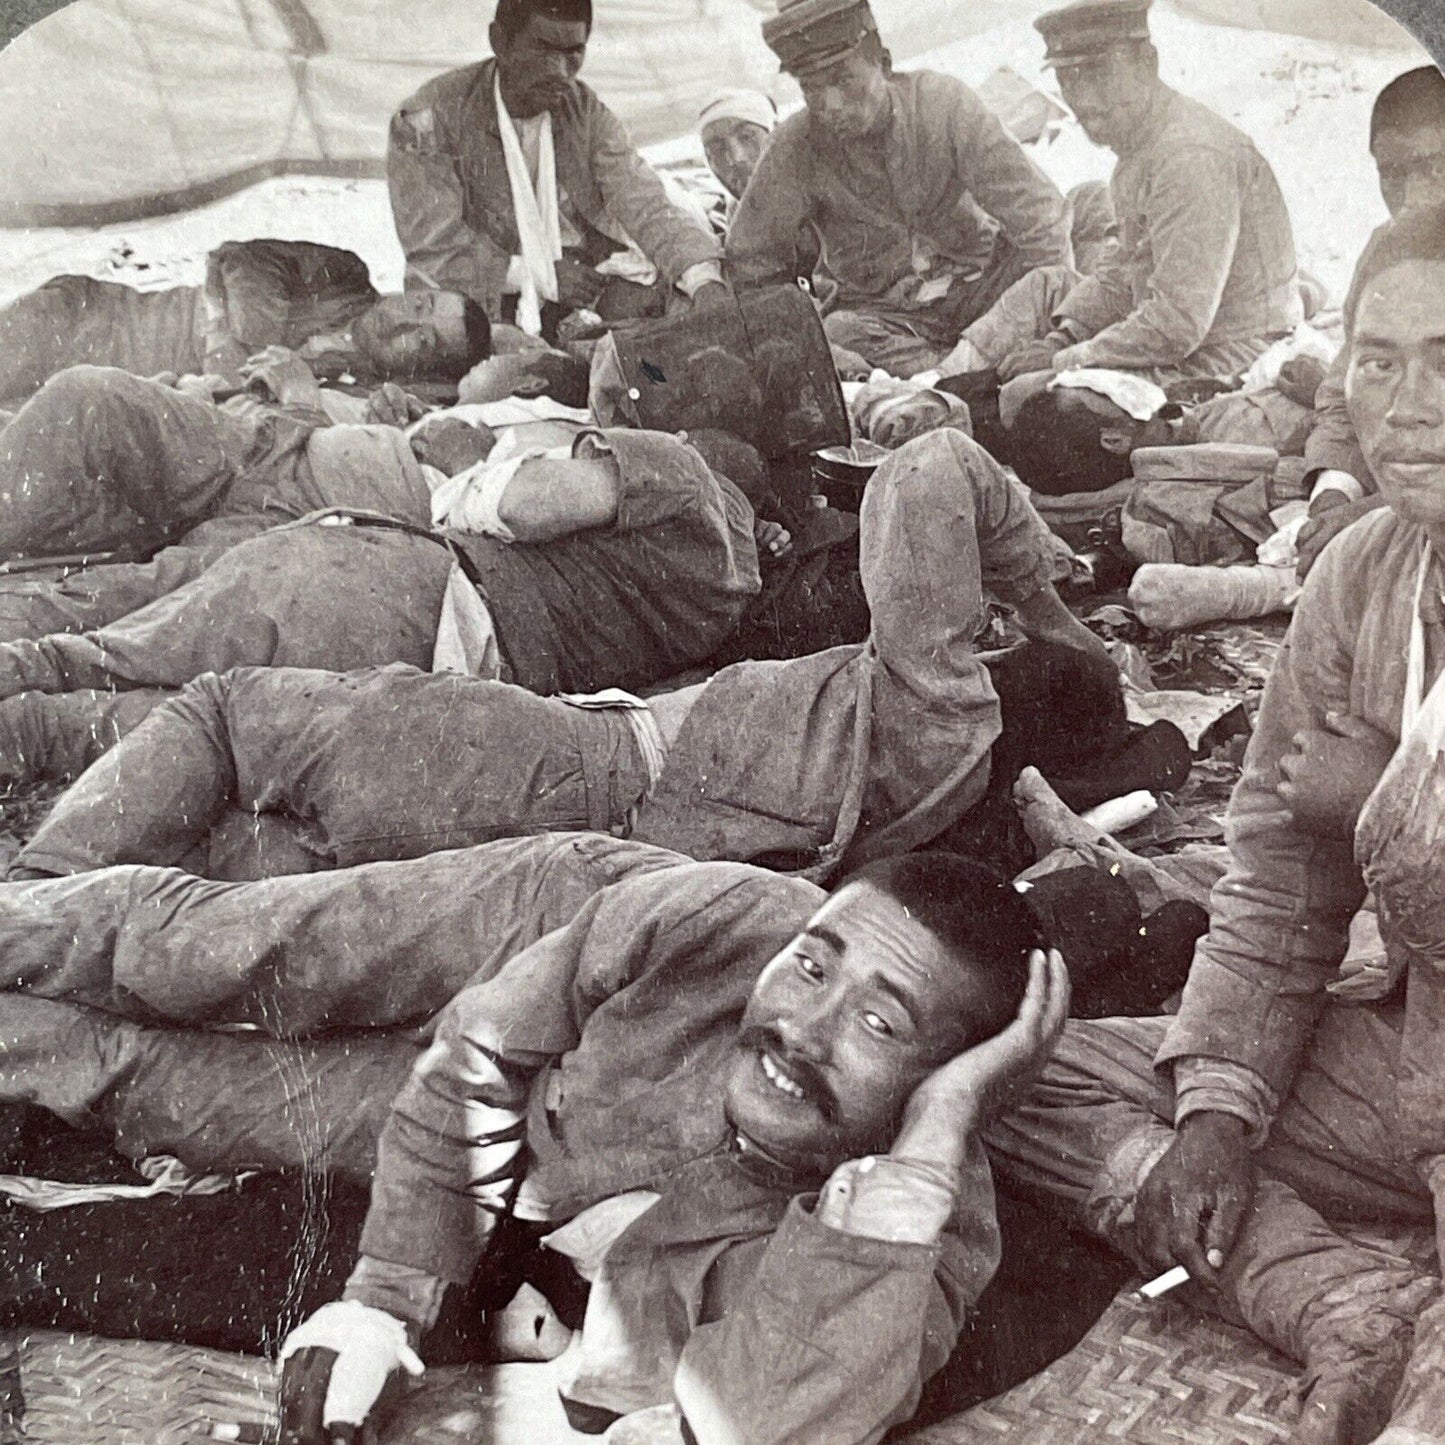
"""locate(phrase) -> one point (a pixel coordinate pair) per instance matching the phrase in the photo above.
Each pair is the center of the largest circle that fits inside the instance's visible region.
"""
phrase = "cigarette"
(1161, 1286)
(242, 1433)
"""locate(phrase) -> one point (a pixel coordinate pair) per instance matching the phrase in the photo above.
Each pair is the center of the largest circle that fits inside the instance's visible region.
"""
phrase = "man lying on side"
(765, 1158)
(315, 300)
(813, 763)
(623, 560)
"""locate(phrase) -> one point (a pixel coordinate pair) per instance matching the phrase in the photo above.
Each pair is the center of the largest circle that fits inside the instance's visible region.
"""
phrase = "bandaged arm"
(535, 498)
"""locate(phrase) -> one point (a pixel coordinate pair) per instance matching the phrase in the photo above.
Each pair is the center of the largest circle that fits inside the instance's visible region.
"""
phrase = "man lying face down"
(316, 300)
(786, 1225)
(1287, 1103)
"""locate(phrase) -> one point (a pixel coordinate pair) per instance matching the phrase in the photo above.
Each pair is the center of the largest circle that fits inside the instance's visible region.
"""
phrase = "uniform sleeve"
(763, 240)
(1333, 445)
(1280, 917)
(442, 251)
(835, 1333)
(452, 1153)
(666, 234)
(1194, 228)
(1007, 184)
(248, 298)
(660, 479)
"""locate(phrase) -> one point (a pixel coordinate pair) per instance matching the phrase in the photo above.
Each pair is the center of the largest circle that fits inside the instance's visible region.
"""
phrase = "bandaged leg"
(1051, 825)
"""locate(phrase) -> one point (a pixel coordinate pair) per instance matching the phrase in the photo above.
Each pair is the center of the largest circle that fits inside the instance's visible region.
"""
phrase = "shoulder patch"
(415, 131)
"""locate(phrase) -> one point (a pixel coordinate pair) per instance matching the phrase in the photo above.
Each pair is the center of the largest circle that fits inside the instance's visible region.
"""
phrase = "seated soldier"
(315, 300)
(803, 1163)
(621, 562)
(927, 208)
(511, 183)
(1205, 275)
(1407, 141)
(1241, 1138)
(817, 763)
(735, 128)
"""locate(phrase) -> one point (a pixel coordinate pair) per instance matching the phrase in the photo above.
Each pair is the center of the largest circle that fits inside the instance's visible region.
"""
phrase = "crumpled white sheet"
(1137, 395)
(167, 1175)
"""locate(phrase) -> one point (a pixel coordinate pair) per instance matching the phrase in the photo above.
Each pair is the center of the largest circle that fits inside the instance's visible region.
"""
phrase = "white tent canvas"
(114, 109)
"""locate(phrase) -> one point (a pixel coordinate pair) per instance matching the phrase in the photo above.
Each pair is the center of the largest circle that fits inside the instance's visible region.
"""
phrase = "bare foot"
(1051, 823)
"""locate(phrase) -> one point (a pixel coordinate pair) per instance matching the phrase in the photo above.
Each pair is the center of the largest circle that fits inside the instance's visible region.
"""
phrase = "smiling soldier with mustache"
(748, 1114)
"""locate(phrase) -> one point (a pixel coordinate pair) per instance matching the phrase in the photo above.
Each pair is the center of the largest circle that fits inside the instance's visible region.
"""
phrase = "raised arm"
(860, 1296)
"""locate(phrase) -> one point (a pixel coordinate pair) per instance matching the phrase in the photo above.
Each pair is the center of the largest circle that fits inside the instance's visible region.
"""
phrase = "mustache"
(808, 1076)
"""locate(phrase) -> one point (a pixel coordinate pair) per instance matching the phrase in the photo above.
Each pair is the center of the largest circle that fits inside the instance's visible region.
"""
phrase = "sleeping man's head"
(423, 336)
(909, 963)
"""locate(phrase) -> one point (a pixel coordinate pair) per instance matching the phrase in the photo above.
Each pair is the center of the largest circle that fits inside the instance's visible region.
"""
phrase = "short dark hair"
(1413, 236)
(478, 327)
(1055, 445)
(977, 914)
(512, 15)
(1413, 101)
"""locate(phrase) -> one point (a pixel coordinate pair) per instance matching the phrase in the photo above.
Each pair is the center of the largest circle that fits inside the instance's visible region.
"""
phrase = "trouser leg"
(46, 738)
(308, 596)
(360, 767)
(1098, 1122)
(395, 763)
(217, 1102)
(100, 458)
(1022, 314)
(88, 598)
(939, 518)
(153, 798)
(380, 945)
(889, 341)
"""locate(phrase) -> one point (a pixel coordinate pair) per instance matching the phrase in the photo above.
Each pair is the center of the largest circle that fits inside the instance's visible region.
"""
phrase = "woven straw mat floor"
(1144, 1375)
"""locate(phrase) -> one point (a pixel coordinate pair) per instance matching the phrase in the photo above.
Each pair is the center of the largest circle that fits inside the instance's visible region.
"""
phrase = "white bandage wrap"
(471, 500)
(466, 640)
(369, 1345)
(1336, 481)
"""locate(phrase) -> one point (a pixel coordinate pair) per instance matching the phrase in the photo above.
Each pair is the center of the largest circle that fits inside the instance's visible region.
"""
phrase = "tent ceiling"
(112, 109)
